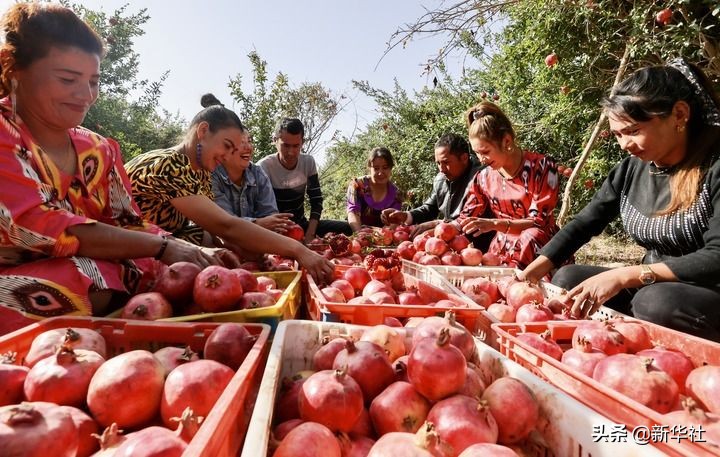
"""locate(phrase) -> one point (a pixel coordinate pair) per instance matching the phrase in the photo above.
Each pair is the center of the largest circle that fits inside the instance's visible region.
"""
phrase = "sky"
(204, 43)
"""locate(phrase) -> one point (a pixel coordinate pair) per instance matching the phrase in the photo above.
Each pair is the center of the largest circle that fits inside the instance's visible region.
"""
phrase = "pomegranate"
(363, 426)
(664, 16)
(64, 378)
(502, 312)
(430, 293)
(12, 379)
(543, 342)
(110, 440)
(325, 356)
(693, 415)
(356, 446)
(392, 321)
(491, 259)
(87, 431)
(176, 282)
(388, 338)
(460, 337)
(171, 357)
(398, 408)
(126, 389)
(295, 232)
(357, 277)
(583, 357)
(450, 304)
(47, 343)
(331, 398)
(446, 231)
(424, 443)
(360, 300)
(265, 283)
(459, 243)
(504, 283)
(488, 450)
(275, 294)
(410, 298)
(634, 333)
(286, 407)
(479, 286)
(462, 421)
(344, 286)
(418, 255)
(436, 368)
(635, 377)
(400, 367)
(672, 362)
(151, 442)
(521, 292)
(37, 429)
(429, 259)
(248, 281)
(420, 240)
(368, 365)
(333, 295)
(406, 250)
(551, 60)
(309, 439)
(283, 428)
(514, 407)
(400, 236)
(148, 306)
(533, 312)
(451, 258)
(380, 298)
(601, 335)
(435, 246)
(197, 385)
(217, 289)
(229, 344)
(253, 300)
(702, 385)
(474, 385)
(374, 286)
(471, 256)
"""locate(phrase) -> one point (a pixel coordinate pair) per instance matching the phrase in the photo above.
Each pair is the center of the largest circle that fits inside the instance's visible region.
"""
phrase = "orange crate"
(475, 319)
(604, 400)
(222, 433)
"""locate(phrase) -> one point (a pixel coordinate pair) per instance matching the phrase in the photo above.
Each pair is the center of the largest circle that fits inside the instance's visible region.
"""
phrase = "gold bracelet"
(507, 229)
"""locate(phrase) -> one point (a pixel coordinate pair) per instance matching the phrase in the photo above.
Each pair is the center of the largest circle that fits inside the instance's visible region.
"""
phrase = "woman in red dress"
(520, 188)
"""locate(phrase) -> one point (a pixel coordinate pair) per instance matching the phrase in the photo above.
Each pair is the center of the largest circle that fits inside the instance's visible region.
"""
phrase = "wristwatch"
(647, 276)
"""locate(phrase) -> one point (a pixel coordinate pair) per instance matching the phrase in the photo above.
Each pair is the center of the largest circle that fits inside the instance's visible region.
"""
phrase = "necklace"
(65, 159)
(505, 174)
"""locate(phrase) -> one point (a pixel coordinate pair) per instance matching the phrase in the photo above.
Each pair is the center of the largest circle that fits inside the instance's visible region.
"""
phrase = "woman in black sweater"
(667, 193)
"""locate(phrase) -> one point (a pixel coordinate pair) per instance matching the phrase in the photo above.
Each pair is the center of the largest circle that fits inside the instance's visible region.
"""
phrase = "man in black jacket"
(456, 169)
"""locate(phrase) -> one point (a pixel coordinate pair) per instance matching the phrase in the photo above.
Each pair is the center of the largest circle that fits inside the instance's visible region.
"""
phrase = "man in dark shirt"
(294, 174)
(456, 169)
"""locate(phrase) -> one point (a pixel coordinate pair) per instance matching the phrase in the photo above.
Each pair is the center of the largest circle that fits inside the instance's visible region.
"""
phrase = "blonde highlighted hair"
(488, 122)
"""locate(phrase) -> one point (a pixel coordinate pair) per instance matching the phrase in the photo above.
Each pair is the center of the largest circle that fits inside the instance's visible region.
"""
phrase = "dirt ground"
(605, 250)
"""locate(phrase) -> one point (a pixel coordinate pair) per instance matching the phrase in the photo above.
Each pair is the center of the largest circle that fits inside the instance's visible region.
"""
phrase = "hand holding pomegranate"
(420, 229)
(320, 268)
(391, 216)
(182, 251)
(225, 257)
(278, 222)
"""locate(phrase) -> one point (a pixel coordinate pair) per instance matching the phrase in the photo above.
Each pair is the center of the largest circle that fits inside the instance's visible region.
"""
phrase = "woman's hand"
(537, 269)
(182, 251)
(477, 225)
(320, 268)
(276, 222)
(590, 294)
(224, 257)
(390, 216)
(419, 229)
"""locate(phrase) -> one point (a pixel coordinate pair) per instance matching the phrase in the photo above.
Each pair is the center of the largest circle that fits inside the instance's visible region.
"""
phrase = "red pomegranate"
(471, 256)
(110, 440)
(502, 312)
(392, 340)
(217, 289)
(87, 431)
(543, 342)
(460, 337)
(64, 378)
(229, 344)
(481, 285)
(635, 377)
(254, 300)
(12, 378)
(583, 357)
(488, 450)
(703, 385)
(148, 306)
(363, 426)
(356, 446)
(331, 398)
(265, 283)
(286, 406)
(197, 385)
(474, 385)
(171, 357)
(126, 389)
(693, 415)
(446, 231)
(398, 408)
(374, 286)
(672, 362)
(357, 277)
(151, 442)
(533, 312)
(601, 335)
(436, 368)
(514, 407)
(47, 343)
(344, 286)
(435, 246)
(410, 298)
(400, 367)
(37, 429)
(458, 243)
(425, 443)
(368, 365)
(462, 421)
(325, 356)
(176, 282)
(248, 281)
(309, 439)
(635, 335)
(333, 295)
(283, 428)
(406, 250)
(521, 292)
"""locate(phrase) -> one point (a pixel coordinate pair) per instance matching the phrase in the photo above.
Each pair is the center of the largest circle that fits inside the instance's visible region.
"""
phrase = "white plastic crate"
(565, 428)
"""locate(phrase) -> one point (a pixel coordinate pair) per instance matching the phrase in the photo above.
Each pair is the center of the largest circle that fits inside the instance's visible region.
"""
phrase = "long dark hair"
(653, 92)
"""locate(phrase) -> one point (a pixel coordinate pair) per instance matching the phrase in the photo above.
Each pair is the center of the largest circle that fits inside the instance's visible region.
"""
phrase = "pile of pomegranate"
(445, 246)
(620, 354)
(402, 391)
(68, 388)
(383, 283)
(183, 288)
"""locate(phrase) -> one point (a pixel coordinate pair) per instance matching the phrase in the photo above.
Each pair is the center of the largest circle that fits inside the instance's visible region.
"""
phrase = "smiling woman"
(173, 188)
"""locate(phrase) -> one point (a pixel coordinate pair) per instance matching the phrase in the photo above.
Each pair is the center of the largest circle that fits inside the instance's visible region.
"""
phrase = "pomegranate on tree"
(148, 306)
(635, 377)
(398, 408)
(37, 429)
(514, 407)
(331, 398)
(462, 421)
(126, 389)
(436, 368)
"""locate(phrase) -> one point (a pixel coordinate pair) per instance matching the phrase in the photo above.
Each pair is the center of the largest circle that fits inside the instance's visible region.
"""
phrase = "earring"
(681, 127)
(13, 96)
(198, 155)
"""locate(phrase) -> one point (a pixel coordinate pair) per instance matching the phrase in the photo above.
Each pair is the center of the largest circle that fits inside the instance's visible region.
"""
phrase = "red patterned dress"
(40, 273)
(531, 194)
